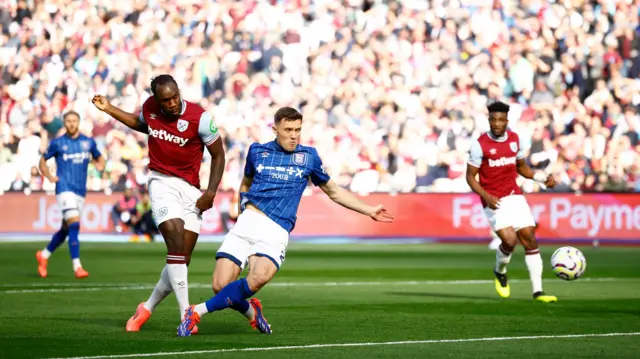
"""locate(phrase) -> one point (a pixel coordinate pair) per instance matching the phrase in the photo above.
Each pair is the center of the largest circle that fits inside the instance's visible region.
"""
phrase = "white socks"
(534, 264)
(76, 264)
(201, 309)
(250, 314)
(161, 291)
(178, 274)
(503, 257)
(45, 253)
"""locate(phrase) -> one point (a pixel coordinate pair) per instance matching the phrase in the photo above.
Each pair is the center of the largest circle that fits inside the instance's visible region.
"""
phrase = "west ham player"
(275, 176)
(178, 131)
(497, 156)
(72, 152)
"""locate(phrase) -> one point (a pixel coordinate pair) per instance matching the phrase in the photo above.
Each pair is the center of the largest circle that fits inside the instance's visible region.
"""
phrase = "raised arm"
(134, 122)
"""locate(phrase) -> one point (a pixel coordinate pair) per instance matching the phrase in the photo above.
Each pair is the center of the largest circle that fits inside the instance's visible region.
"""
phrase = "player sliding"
(498, 158)
(178, 132)
(72, 152)
(275, 176)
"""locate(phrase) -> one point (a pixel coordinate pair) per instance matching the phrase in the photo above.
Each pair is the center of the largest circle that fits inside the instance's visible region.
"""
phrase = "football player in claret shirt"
(276, 174)
(178, 132)
(497, 157)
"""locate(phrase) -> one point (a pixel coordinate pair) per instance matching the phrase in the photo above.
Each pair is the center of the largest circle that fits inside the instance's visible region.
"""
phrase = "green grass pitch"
(383, 301)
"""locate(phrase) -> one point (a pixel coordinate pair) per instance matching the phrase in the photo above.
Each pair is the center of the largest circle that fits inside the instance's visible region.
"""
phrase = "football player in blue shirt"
(275, 176)
(72, 152)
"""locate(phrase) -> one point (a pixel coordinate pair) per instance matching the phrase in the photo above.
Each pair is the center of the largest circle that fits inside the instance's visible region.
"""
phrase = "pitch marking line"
(342, 345)
(67, 288)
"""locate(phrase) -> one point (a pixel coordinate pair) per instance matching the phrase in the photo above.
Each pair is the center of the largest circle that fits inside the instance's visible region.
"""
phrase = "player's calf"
(533, 260)
(226, 272)
(172, 232)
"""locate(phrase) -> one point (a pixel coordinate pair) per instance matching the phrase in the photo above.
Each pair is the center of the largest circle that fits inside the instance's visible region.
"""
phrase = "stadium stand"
(391, 91)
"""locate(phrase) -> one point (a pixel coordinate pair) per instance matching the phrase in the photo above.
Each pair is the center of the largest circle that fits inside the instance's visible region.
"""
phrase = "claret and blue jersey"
(280, 178)
(72, 157)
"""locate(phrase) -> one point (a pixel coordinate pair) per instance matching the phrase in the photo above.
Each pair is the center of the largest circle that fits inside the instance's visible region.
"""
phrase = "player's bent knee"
(71, 216)
(261, 272)
(527, 238)
(172, 231)
(226, 272)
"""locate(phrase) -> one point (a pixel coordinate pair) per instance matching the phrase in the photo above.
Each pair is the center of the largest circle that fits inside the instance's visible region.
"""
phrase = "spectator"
(125, 212)
(145, 224)
(392, 91)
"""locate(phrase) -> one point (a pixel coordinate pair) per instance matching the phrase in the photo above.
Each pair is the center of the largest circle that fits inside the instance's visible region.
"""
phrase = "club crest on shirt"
(299, 158)
(182, 125)
(513, 146)
(85, 145)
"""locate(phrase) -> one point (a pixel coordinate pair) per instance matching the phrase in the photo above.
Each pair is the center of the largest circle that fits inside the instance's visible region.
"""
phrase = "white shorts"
(70, 204)
(514, 212)
(254, 234)
(173, 197)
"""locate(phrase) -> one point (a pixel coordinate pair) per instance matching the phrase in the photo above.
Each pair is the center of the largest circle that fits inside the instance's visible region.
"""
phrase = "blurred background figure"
(145, 225)
(125, 212)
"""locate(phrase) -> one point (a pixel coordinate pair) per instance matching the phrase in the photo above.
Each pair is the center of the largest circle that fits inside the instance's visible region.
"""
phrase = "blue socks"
(57, 239)
(233, 295)
(74, 244)
(242, 306)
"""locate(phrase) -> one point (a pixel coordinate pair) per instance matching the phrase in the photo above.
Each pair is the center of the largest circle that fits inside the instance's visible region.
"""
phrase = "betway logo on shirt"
(166, 136)
(502, 161)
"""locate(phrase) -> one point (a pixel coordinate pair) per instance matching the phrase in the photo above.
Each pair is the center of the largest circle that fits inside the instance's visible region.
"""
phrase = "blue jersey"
(280, 178)
(72, 159)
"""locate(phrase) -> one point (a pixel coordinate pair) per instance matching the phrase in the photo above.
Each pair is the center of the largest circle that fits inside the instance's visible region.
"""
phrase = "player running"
(275, 176)
(72, 152)
(178, 131)
(498, 158)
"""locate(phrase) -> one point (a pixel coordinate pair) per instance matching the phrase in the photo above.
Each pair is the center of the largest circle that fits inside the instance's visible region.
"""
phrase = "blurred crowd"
(391, 91)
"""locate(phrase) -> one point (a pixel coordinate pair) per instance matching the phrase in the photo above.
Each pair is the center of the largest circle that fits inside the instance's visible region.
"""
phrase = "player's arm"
(525, 171)
(99, 161)
(134, 122)
(473, 167)
(345, 198)
(210, 136)
(341, 196)
(246, 183)
(42, 165)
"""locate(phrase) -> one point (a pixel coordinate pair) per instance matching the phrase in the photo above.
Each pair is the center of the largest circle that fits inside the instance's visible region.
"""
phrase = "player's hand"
(205, 201)
(100, 102)
(492, 202)
(53, 178)
(380, 214)
(550, 182)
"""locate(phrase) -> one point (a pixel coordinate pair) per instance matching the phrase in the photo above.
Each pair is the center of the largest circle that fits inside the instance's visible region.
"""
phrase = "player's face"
(498, 123)
(71, 124)
(288, 133)
(169, 100)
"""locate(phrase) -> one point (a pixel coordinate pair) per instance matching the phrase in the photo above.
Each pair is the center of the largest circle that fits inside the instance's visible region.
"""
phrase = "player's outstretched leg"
(43, 255)
(261, 272)
(227, 271)
(74, 250)
(503, 257)
(533, 261)
(161, 291)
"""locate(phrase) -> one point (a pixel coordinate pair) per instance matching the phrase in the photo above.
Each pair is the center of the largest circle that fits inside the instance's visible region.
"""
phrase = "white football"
(568, 263)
